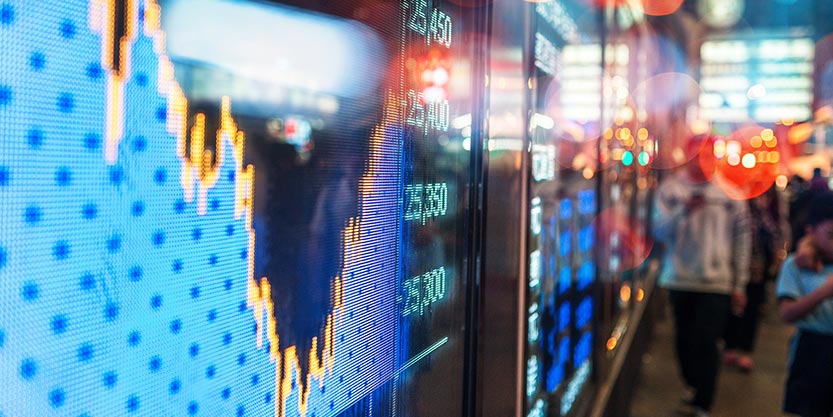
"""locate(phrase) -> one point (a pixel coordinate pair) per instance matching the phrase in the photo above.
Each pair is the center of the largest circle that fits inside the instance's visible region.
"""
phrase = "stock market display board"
(164, 253)
(563, 208)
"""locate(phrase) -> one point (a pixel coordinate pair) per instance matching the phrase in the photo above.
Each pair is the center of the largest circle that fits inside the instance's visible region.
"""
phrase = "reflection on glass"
(564, 126)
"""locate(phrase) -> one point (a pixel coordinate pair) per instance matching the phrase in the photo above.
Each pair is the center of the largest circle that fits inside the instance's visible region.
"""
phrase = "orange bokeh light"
(800, 133)
(661, 7)
(625, 293)
(745, 173)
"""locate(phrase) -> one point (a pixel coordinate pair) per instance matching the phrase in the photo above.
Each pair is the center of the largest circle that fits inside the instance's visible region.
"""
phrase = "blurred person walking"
(705, 268)
(766, 254)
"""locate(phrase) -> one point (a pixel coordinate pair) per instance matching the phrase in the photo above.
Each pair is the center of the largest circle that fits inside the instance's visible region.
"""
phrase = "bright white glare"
(738, 100)
(434, 94)
(733, 159)
(579, 98)
(460, 122)
(756, 92)
(582, 71)
(776, 113)
(579, 113)
(786, 48)
(466, 132)
(623, 54)
(506, 145)
(440, 76)
(725, 83)
(328, 105)
(724, 115)
(721, 13)
(792, 97)
(788, 82)
(784, 89)
(467, 144)
(748, 161)
(626, 113)
(733, 147)
(779, 68)
(582, 54)
(543, 121)
(274, 44)
(585, 85)
(724, 51)
(711, 100)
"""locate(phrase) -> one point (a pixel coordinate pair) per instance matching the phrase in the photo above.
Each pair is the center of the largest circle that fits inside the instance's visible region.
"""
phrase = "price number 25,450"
(431, 23)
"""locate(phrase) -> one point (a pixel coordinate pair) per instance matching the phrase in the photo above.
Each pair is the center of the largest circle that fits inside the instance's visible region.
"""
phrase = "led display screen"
(762, 78)
(560, 304)
(232, 208)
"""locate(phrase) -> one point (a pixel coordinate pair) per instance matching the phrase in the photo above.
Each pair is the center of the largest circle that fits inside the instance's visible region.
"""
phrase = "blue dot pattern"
(127, 301)
(37, 61)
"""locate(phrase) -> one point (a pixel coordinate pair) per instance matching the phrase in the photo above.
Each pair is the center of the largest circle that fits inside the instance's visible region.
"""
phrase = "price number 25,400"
(429, 115)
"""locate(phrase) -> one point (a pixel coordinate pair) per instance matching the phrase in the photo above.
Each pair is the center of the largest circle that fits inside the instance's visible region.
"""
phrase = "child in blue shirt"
(806, 299)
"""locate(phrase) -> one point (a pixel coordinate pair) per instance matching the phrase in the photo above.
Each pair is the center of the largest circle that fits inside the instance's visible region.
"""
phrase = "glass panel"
(628, 152)
(234, 207)
(564, 130)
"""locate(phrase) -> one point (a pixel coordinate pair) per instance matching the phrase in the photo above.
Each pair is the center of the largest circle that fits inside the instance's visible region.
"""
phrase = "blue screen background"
(116, 296)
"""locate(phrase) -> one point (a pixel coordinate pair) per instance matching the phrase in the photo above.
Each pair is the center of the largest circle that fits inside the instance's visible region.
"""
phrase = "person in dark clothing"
(705, 269)
(806, 300)
(800, 204)
(818, 183)
(766, 255)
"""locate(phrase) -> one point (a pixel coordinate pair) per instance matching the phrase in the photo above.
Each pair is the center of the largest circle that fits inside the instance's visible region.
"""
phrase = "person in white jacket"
(705, 269)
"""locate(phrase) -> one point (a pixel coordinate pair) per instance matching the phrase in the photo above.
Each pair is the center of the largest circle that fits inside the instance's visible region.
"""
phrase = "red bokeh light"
(743, 164)
(604, 3)
(650, 7)
(624, 237)
(432, 73)
(661, 7)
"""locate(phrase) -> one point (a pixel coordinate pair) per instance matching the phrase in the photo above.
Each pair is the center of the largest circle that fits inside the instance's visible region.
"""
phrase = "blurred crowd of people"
(721, 256)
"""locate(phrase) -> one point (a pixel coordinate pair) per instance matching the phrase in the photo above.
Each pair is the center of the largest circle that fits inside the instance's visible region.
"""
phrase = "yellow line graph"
(198, 175)
(260, 300)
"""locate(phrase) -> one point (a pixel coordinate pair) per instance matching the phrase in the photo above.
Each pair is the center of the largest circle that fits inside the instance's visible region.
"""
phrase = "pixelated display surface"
(127, 248)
